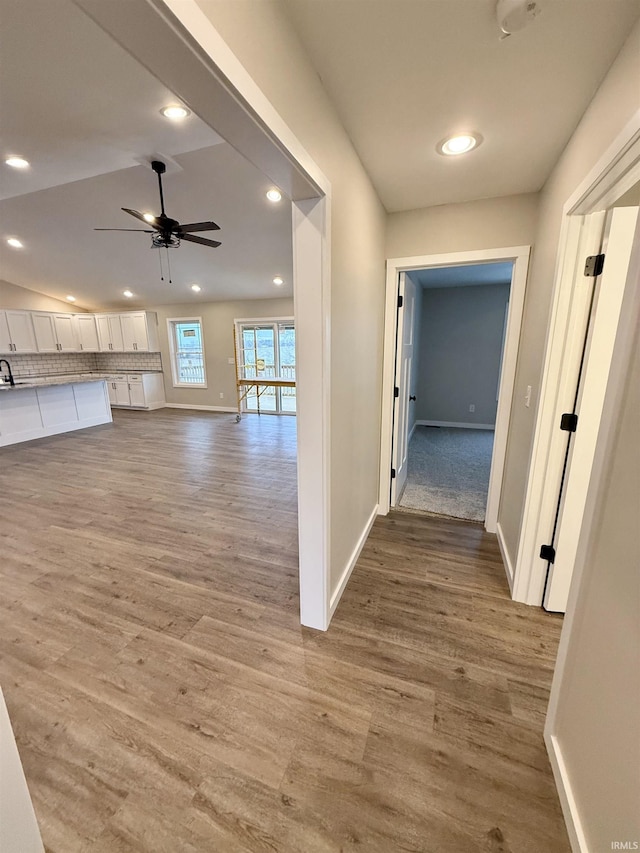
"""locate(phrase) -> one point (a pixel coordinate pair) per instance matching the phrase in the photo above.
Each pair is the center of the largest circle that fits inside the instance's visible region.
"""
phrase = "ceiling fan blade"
(137, 230)
(140, 217)
(202, 240)
(200, 226)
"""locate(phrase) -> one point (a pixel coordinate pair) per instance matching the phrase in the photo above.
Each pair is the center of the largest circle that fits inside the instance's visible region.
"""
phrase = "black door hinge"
(548, 552)
(594, 265)
(393, 473)
(396, 391)
(569, 422)
(400, 301)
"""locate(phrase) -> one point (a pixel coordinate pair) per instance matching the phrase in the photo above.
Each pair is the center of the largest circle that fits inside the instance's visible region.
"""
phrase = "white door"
(21, 331)
(592, 389)
(87, 332)
(45, 330)
(65, 332)
(404, 361)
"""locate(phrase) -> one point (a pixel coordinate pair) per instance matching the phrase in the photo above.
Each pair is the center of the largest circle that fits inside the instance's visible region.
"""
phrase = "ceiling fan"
(167, 233)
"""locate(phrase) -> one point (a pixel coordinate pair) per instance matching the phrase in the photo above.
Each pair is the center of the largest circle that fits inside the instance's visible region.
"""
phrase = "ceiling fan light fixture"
(460, 143)
(70, 298)
(196, 288)
(274, 195)
(13, 241)
(127, 293)
(175, 112)
(149, 217)
(278, 280)
(17, 162)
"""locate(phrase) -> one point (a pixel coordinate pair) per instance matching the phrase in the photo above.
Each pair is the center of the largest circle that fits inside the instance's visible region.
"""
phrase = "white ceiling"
(463, 276)
(85, 115)
(404, 74)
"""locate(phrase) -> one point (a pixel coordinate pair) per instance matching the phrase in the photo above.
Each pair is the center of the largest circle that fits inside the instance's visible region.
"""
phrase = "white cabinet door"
(122, 393)
(45, 330)
(111, 388)
(104, 335)
(5, 338)
(65, 332)
(115, 333)
(21, 331)
(136, 394)
(87, 332)
(134, 332)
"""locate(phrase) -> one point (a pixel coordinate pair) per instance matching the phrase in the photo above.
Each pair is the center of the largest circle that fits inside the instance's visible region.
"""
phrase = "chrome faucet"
(4, 378)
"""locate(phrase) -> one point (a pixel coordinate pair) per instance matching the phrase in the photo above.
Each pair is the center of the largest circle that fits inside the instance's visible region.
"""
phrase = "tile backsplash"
(54, 364)
(128, 361)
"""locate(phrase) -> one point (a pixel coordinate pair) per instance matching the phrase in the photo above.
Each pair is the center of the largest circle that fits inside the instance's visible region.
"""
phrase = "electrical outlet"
(221, 396)
(472, 407)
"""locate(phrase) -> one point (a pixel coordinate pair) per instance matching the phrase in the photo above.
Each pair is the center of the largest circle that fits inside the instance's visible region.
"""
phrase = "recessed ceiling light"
(149, 217)
(274, 195)
(70, 298)
(196, 288)
(461, 143)
(278, 280)
(13, 241)
(17, 162)
(127, 293)
(175, 112)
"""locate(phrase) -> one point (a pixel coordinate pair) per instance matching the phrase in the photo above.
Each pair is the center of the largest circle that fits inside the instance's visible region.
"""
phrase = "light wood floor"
(165, 698)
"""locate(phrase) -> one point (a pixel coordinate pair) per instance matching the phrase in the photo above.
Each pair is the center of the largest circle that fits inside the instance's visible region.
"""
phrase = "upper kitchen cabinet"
(87, 333)
(16, 332)
(55, 332)
(110, 332)
(140, 331)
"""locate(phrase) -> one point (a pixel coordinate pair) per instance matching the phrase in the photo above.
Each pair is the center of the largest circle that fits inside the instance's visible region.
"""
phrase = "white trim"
(568, 803)
(353, 559)
(199, 408)
(579, 236)
(520, 256)
(171, 334)
(508, 566)
(454, 424)
(413, 429)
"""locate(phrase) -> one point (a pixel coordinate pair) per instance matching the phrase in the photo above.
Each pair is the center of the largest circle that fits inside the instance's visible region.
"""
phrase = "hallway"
(164, 696)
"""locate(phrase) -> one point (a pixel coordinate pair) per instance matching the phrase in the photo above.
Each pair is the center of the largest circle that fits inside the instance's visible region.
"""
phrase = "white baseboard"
(233, 410)
(454, 424)
(413, 429)
(572, 820)
(508, 565)
(353, 559)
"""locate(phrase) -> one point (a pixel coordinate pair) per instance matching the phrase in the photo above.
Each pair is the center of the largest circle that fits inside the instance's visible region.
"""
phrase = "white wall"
(597, 723)
(217, 329)
(262, 38)
(617, 99)
(459, 354)
(13, 296)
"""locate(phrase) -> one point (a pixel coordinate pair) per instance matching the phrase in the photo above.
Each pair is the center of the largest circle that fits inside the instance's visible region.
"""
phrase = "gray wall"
(461, 331)
(15, 297)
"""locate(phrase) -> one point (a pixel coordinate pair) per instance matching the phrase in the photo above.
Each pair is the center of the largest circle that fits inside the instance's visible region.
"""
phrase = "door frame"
(617, 171)
(519, 255)
(176, 42)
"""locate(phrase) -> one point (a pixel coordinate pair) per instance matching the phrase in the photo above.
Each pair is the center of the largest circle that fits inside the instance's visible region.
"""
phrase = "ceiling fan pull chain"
(169, 265)
(160, 259)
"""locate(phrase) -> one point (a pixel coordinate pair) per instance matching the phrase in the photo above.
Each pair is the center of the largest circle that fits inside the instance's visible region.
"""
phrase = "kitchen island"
(37, 408)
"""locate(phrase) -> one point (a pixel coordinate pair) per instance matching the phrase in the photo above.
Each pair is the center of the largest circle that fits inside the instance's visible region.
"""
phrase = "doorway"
(402, 414)
(449, 405)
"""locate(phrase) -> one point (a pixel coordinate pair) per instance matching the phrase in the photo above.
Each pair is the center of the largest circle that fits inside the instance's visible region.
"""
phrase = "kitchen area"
(65, 371)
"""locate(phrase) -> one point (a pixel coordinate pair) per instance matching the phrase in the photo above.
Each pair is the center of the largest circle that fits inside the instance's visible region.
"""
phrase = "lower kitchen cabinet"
(136, 390)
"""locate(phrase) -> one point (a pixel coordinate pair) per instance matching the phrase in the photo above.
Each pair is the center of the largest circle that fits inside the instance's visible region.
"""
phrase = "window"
(268, 348)
(187, 352)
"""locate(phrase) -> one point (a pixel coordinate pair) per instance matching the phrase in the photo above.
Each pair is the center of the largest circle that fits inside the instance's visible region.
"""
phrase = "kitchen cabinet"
(139, 331)
(110, 332)
(136, 390)
(16, 332)
(87, 333)
(55, 332)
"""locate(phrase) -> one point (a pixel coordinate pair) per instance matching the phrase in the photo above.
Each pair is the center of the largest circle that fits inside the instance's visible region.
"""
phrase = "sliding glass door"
(267, 349)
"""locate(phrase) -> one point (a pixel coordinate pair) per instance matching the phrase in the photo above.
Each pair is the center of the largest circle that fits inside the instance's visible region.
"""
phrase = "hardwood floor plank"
(165, 697)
